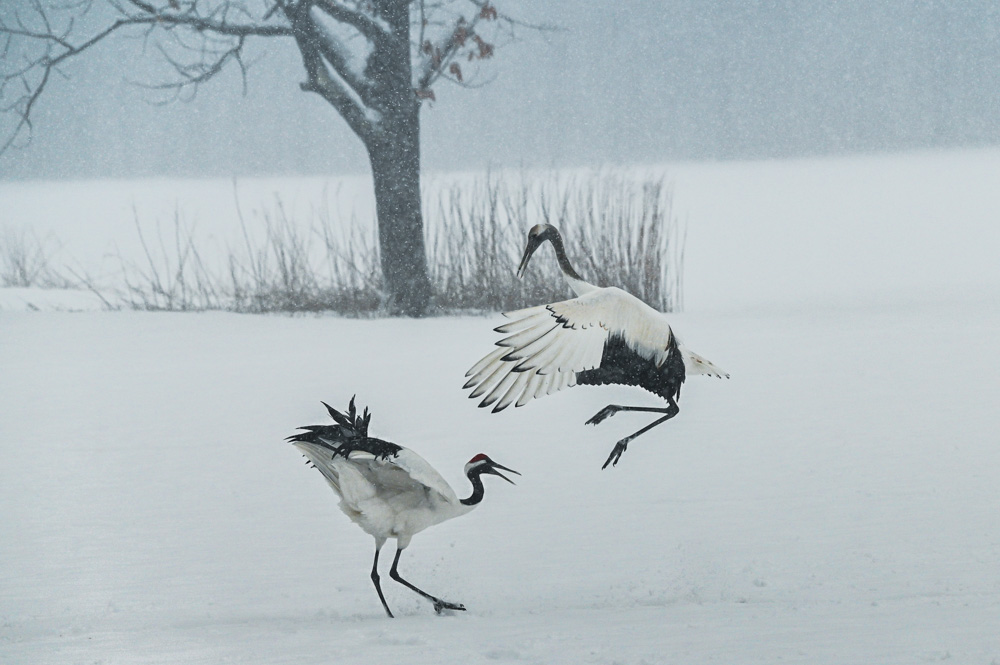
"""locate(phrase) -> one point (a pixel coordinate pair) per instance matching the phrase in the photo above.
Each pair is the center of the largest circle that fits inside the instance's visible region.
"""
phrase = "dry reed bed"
(619, 230)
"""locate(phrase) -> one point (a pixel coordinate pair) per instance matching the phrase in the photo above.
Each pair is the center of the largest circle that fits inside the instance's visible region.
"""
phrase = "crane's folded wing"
(405, 471)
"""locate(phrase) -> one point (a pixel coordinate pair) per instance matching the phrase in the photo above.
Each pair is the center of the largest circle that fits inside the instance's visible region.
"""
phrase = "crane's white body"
(395, 497)
(549, 344)
(386, 489)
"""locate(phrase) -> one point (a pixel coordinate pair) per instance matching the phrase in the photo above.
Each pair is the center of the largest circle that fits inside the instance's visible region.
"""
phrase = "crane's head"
(483, 464)
(538, 234)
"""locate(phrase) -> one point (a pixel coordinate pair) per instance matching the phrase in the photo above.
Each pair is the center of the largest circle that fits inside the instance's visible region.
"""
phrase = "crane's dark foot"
(442, 605)
(616, 452)
(606, 412)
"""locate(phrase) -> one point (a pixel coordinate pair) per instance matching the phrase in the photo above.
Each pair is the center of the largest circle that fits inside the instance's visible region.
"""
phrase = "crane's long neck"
(572, 277)
(477, 489)
(564, 264)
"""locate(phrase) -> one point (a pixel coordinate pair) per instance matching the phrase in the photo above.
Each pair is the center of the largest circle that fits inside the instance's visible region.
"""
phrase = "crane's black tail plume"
(351, 422)
(350, 433)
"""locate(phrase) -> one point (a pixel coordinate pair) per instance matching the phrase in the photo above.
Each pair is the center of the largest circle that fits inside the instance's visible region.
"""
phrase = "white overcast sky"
(621, 82)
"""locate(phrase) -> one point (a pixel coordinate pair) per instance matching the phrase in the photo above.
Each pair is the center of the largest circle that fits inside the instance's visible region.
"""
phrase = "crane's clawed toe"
(441, 605)
(616, 453)
(606, 412)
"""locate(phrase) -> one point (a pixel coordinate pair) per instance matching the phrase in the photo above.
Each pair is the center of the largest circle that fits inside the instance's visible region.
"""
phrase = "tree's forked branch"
(366, 23)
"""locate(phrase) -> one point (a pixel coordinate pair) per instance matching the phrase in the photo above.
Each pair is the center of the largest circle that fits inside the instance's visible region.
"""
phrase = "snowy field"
(837, 501)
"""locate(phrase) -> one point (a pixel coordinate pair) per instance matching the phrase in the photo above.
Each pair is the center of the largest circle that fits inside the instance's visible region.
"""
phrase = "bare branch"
(57, 47)
(47, 63)
(211, 23)
(193, 74)
(336, 54)
(511, 21)
(463, 39)
(335, 91)
(438, 57)
(366, 24)
(423, 22)
(36, 35)
(278, 5)
(206, 37)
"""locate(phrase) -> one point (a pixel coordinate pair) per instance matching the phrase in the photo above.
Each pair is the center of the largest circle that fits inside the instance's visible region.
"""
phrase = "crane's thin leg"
(375, 579)
(612, 409)
(670, 411)
(438, 603)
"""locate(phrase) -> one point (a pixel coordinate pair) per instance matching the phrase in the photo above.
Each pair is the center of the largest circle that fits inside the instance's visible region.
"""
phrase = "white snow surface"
(836, 501)
(59, 300)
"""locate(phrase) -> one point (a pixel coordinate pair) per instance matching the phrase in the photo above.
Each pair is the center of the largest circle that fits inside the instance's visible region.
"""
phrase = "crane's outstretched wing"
(549, 344)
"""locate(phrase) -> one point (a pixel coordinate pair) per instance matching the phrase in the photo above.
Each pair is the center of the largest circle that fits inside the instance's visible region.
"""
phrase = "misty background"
(618, 83)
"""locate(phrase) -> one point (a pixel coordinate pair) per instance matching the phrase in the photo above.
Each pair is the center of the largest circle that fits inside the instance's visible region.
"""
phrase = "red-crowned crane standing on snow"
(602, 336)
(386, 489)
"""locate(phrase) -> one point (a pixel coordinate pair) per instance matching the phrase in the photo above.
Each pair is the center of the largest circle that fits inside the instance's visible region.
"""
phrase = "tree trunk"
(395, 158)
(394, 152)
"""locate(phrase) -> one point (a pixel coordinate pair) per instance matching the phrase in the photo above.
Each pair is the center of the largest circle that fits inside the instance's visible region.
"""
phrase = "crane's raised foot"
(616, 452)
(606, 412)
(441, 605)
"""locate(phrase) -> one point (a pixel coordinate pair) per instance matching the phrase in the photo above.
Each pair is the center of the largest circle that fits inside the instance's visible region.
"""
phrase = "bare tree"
(374, 61)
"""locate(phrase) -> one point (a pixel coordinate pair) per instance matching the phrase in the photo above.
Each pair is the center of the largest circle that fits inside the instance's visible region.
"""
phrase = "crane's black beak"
(529, 249)
(493, 470)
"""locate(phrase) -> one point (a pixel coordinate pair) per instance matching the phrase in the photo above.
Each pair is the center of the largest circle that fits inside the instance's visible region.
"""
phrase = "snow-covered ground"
(837, 501)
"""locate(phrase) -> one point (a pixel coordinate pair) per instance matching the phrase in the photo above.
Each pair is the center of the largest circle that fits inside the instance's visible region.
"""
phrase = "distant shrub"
(619, 231)
(26, 261)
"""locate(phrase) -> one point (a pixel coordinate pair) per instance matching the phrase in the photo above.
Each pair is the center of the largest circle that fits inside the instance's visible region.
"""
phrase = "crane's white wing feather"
(695, 364)
(547, 345)
(408, 468)
(362, 475)
(320, 458)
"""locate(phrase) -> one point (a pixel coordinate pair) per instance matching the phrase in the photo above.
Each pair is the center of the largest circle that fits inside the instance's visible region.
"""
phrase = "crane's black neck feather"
(477, 486)
(552, 235)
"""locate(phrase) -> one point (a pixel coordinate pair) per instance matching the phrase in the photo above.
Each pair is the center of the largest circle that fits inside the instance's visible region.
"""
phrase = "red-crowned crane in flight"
(603, 336)
(386, 489)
